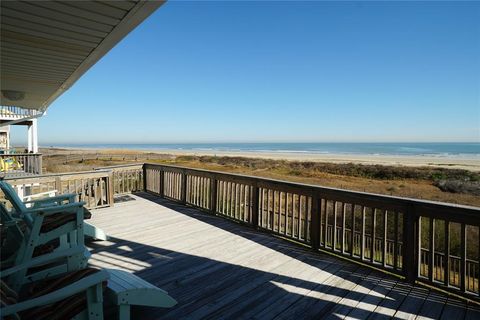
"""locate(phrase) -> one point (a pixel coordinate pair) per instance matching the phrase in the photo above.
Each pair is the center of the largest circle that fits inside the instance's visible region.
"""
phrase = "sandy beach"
(471, 163)
(404, 176)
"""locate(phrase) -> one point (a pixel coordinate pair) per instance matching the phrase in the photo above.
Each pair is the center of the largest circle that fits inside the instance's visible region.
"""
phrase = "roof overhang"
(47, 46)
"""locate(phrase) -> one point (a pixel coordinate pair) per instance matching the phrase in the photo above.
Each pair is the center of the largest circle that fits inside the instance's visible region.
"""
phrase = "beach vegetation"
(428, 182)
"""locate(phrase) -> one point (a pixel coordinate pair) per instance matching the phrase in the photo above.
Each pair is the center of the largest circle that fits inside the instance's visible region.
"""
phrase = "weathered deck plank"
(216, 268)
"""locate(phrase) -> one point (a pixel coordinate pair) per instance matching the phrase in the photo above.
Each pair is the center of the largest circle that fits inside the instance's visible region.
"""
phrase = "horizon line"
(47, 144)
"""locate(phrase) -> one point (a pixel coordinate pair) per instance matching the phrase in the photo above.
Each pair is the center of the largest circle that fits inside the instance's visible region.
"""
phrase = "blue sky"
(282, 71)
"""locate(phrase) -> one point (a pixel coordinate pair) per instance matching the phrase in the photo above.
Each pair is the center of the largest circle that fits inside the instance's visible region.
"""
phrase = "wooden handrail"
(93, 187)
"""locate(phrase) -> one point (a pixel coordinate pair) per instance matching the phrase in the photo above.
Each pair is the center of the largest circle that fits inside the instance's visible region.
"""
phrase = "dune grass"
(415, 182)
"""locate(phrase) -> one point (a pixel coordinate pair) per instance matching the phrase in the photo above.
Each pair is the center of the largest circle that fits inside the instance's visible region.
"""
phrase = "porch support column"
(29, 138)
(34, 137)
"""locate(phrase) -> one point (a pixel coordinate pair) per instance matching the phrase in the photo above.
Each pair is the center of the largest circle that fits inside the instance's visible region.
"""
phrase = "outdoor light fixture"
(13, 95)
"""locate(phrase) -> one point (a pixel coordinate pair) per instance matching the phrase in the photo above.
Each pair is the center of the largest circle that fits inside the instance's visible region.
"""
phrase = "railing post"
(463, 256)
(315, 225)
(255, 205)
(162, 183)
(58, 185)
(110, 188)
(183, 194)
(39, 164)
(410, 250)
(144, 172)
(213, 195)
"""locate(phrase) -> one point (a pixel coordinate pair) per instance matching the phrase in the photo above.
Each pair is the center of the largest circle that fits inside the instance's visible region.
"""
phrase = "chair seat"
(64, 309)
(58, 219)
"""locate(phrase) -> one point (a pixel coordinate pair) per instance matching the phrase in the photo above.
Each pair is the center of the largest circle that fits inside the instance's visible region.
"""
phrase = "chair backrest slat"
(13, 197)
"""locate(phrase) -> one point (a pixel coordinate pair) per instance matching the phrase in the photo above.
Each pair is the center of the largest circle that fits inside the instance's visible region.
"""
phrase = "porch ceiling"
(48, 45)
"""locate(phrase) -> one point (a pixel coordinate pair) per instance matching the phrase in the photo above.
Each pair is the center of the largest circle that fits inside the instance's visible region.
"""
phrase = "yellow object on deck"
(7, 164)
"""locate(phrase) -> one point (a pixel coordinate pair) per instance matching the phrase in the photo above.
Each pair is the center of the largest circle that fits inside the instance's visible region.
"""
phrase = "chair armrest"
(66, 208)
(43, 259)
(65, 292)
(40, 195)
(69, 196)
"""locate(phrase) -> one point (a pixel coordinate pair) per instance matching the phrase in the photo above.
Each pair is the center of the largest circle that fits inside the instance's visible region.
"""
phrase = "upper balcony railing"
(15, 113)
(430, 242)
(20, 164)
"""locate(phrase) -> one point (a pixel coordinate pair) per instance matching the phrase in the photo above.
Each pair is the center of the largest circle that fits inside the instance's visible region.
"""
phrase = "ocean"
(387, 149)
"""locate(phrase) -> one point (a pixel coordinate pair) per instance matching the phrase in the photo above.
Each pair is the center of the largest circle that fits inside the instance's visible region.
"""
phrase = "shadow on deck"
(216, 268)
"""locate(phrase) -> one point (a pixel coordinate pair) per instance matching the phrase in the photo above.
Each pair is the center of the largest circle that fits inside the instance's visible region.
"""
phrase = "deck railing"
(126, 178)
(21, 163)
(10, 112)
(93, 187)
(140, 157)
(430, 242)
(97, 188)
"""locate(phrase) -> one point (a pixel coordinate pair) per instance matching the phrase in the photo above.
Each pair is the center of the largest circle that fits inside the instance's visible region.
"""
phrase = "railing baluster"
(446, 271)
(431, 259)
(173, 185)
(237, 206)
(385, 235)
(326, 222)
(291, 215)
(246, 190)
(352, 235)
(334, 233)
(205, 197)
(228, 200)
(362, 246)
(266, 205)
(285, 211)
(190, 195)
(203, 194)
(463, 256)
(274, 209)
(372, 246)
(303, 205)
(278, 206)
(241, 202)
(199, 191)
(228, 187)
(234, 200)
(395, 243)
(167, 184)
(194, 190)
(224, 197)
(478, 261)
(342, 231)
(219, 196)
(262, 209)
(299, 215)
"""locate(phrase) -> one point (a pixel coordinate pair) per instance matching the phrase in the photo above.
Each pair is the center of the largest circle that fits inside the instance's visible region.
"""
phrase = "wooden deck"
(216, 268)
